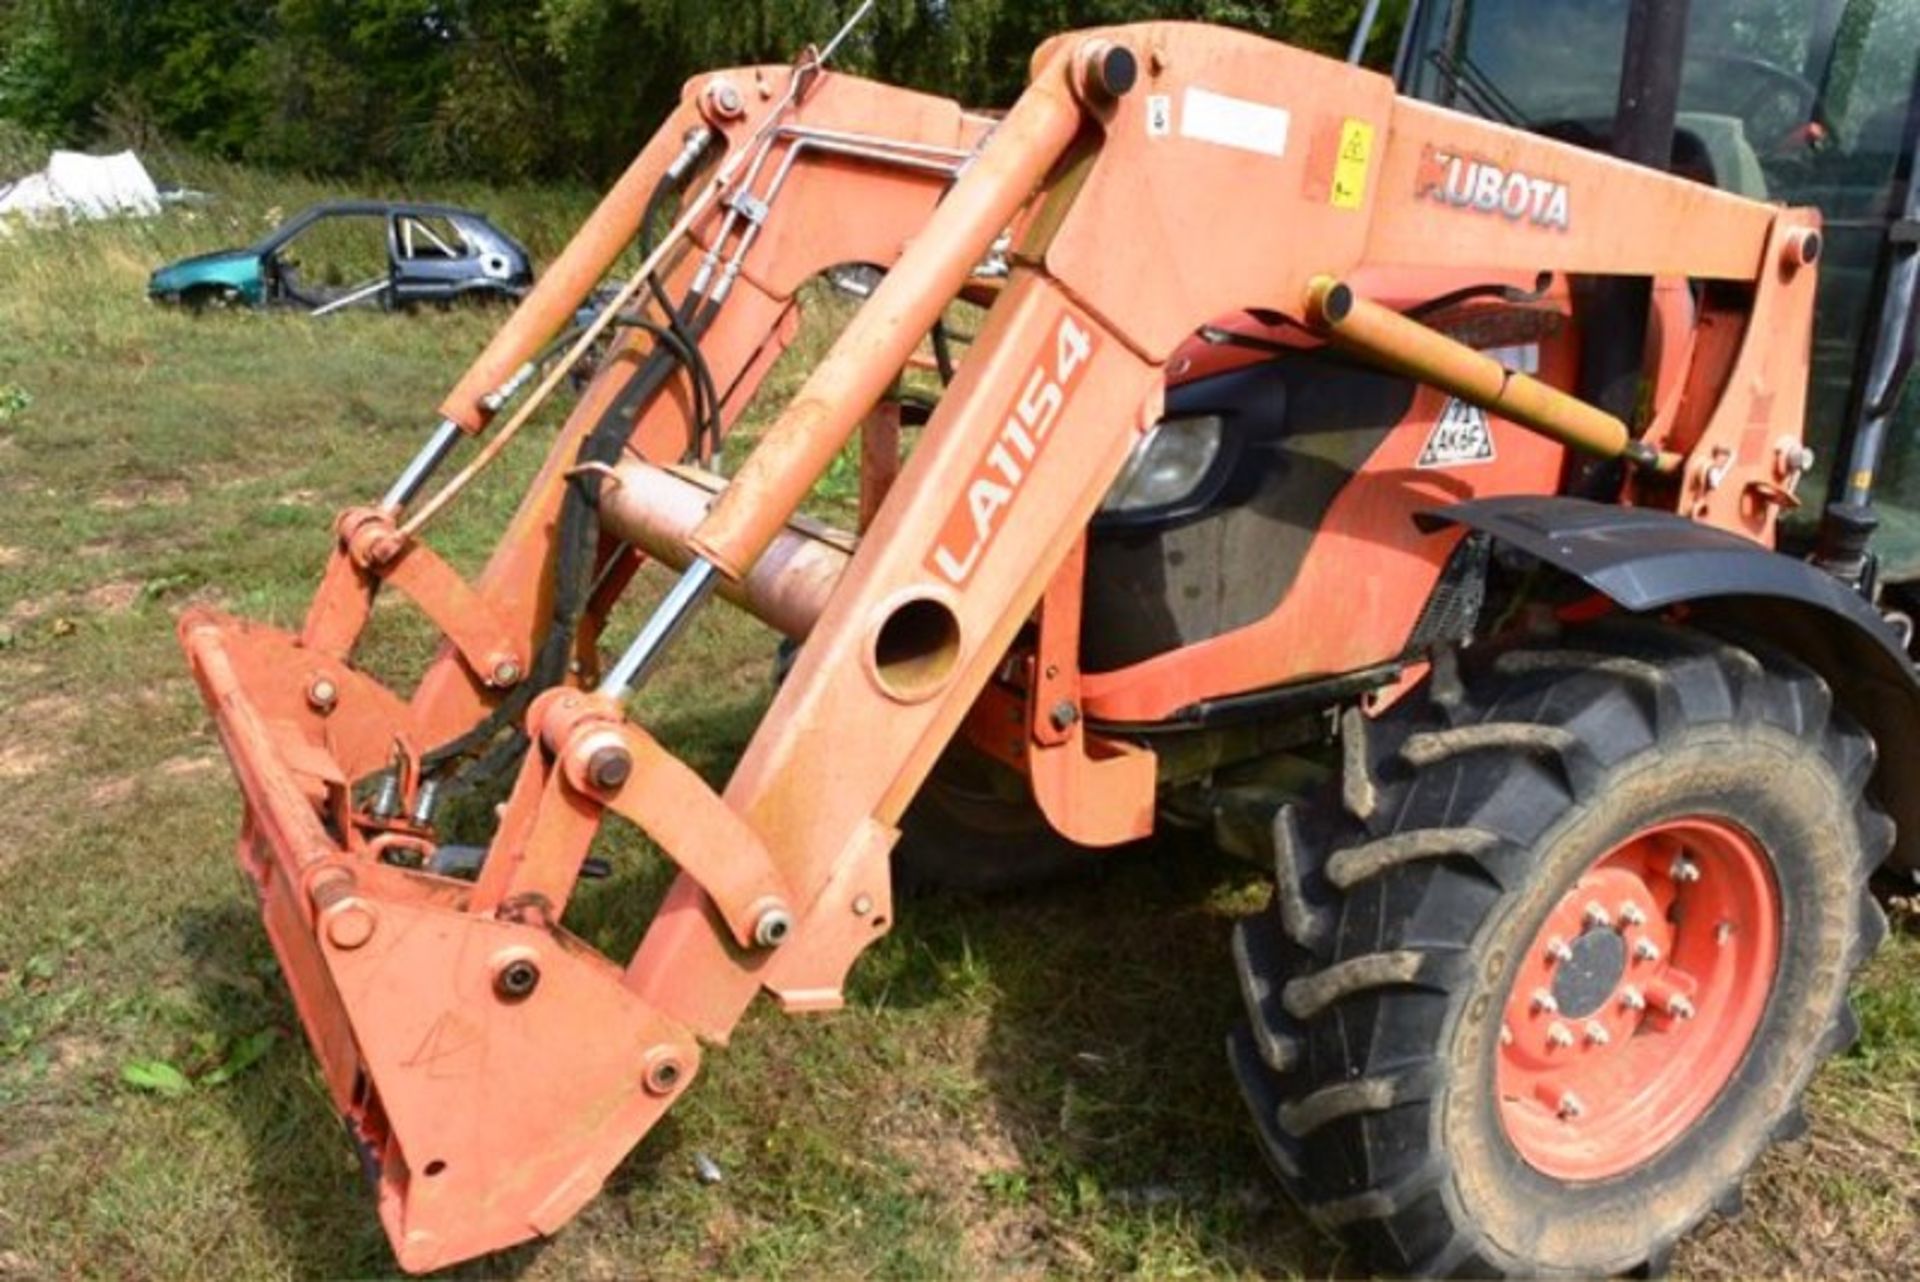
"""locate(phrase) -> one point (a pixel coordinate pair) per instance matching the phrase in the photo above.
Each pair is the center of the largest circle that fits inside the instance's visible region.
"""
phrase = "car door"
(432, 259)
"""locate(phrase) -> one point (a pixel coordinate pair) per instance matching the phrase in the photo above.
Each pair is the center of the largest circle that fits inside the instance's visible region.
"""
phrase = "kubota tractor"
(1415, 486)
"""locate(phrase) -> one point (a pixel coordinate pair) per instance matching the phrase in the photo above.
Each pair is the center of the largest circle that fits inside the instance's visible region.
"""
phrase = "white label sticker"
(1235, 122)
(1462, 436)
(1159, 115)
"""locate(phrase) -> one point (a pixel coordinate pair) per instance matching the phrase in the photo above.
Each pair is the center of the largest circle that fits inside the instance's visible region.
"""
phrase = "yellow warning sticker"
(1350, 168)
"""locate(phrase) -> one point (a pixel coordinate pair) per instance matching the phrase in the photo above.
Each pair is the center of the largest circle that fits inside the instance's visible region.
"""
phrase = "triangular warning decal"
(1461, 436)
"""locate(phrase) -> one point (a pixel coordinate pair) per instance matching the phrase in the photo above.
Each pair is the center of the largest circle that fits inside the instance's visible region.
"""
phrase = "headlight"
(1168, 465)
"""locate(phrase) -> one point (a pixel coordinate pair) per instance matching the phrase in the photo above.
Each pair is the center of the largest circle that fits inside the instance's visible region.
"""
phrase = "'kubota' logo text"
(997, 478)
(1466, 182)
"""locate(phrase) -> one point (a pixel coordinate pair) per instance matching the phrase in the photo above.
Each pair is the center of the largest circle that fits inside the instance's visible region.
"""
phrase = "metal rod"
(876, 140)
(1364, 32)
(673, 615)
(859, 16)
(424, 464)
(358, 293)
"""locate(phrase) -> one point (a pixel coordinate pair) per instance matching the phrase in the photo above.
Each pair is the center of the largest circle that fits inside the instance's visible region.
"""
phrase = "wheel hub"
(1591, 973)
(1638, 997)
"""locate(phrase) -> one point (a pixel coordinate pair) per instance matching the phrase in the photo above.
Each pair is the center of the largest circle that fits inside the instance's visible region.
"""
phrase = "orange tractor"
(1408, 484)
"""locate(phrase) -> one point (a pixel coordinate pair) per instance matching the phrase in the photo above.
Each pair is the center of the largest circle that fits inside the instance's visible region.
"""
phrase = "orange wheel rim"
(1637, 1000)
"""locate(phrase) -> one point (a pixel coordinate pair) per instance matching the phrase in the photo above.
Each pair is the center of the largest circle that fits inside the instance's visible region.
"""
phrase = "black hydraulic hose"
(576, 541)
(676, 347)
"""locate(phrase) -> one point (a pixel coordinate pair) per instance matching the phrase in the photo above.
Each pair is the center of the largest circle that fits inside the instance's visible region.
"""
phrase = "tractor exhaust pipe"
(656, 509)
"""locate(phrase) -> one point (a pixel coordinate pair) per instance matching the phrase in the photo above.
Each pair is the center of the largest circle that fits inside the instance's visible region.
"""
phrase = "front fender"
(1644, 561)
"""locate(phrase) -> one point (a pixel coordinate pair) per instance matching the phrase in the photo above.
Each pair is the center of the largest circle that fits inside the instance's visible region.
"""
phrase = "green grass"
(1019, 1087)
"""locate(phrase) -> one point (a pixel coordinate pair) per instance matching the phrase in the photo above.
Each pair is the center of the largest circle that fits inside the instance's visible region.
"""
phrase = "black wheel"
(1544, 980)
(211, 298)
(975, 827)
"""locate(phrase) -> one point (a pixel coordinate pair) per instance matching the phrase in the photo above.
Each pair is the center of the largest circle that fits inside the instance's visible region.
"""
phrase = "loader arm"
(1157, 177)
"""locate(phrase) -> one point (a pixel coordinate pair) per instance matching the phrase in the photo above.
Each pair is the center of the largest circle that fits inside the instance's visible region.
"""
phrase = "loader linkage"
(492, 1067)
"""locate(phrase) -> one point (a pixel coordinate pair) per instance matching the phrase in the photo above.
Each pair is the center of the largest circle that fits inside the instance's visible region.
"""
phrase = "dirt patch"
(11, 556)
(19, 761)
(116, 597)
(111, 598)
(50, 714)
(1840, 1204)
(182, 767)
(13, 1264)
(111, 792)
(143, 494)
(973, 1167)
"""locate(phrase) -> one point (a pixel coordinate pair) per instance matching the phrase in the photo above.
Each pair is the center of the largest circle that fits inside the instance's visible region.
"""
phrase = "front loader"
(1393, 489)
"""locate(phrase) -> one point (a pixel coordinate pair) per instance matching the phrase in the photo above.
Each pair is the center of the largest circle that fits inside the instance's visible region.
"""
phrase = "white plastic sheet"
(78, 186)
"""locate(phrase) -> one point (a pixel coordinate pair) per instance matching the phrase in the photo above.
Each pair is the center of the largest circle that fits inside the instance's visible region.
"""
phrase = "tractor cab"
(1803, 102)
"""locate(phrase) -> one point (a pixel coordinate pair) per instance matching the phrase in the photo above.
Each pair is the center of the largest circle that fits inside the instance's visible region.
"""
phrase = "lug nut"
(1544, 1003)
(1558, 951)
(772, 927)
(1597, 917)
(1679, 1007)
(1646, 950)
(1570, 1106)
(1632, 999)
(1685, 871)
(1723, 933)
(609, 768)
(1506, 1035)
(1631, 915)
(1597, 1033)
(1559, 1036)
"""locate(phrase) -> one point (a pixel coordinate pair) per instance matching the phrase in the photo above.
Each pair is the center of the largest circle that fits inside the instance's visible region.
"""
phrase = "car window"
(427, 237)
(340, 250)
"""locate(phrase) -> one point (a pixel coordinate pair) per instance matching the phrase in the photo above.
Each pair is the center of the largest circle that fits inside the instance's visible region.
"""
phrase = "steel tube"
(424, 465)
(1385, 336)
(681, 604)
(655, 510)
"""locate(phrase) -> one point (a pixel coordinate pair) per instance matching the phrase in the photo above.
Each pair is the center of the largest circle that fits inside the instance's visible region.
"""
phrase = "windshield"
(1773, 78)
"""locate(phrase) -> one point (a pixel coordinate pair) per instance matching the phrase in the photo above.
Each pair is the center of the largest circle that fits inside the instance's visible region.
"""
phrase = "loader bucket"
(480, 1113)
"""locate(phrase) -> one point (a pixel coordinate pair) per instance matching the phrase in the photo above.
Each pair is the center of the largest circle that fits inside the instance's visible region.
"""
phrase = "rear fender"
(1645, 561)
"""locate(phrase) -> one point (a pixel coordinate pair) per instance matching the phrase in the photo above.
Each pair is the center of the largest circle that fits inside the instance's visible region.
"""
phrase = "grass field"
(1018, 1088)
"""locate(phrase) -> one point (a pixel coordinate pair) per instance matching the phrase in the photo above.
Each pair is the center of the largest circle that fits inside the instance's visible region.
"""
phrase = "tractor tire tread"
(1380, 896)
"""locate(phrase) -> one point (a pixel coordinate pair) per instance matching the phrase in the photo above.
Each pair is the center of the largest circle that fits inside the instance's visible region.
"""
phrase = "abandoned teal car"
(411, 253)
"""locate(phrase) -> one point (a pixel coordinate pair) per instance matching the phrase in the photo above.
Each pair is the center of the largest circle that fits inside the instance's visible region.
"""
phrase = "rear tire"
(1390, 986)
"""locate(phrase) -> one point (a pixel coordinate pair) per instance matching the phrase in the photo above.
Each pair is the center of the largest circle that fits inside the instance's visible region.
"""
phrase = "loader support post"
(1613, 350)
